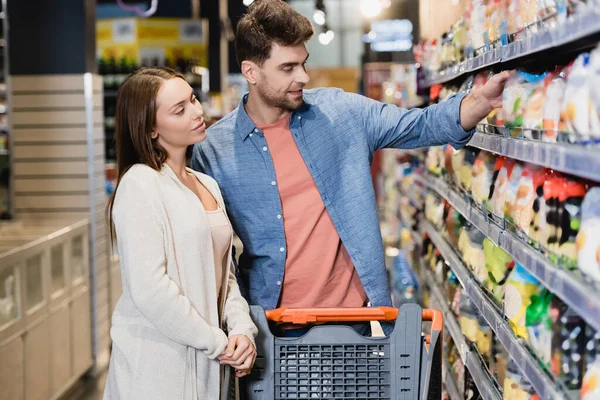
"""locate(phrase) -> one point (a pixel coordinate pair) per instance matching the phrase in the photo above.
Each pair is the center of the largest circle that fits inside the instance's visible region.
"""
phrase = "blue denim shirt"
(337, 134)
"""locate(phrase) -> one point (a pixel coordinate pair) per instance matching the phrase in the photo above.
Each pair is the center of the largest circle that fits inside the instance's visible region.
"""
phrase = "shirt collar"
(245, 126)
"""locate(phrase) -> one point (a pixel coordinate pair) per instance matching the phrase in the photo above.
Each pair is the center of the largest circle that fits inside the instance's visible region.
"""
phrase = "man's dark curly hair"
(269, 22)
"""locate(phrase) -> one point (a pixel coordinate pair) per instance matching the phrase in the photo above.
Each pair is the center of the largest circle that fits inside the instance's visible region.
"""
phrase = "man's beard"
(272, 99)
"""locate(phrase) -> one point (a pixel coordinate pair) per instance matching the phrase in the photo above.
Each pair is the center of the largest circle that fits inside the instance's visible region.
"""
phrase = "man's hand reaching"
(479, 103)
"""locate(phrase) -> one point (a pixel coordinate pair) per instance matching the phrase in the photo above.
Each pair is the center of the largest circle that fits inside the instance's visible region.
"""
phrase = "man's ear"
(250, 71)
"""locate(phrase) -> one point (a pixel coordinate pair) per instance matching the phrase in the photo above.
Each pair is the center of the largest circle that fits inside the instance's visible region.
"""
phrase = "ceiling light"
(370, 8)
(319, 17)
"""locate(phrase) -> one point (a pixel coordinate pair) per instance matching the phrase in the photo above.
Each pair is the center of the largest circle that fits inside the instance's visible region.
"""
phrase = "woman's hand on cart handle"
(240, 354)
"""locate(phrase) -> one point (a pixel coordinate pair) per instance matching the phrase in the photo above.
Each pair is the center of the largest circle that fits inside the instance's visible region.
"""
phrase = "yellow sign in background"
(147, 41)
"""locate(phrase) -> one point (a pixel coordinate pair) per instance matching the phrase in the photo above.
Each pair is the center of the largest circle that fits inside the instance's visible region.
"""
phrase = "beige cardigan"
(166, 329)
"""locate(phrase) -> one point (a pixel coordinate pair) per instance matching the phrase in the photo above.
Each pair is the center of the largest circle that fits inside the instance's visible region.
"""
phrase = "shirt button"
(278, 283)
(282, 249)
(250, 135)
(299, 116)
(265, 148)
(256, 130)
(278, 216)
(273, 183)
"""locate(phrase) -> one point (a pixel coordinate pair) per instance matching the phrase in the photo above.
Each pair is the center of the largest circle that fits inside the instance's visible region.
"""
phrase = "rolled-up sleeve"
(388, 126)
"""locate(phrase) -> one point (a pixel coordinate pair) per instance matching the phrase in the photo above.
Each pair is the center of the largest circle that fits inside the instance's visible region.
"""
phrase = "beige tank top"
(220, 230)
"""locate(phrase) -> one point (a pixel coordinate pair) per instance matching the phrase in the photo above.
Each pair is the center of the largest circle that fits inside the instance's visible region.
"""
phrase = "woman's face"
(179, 121)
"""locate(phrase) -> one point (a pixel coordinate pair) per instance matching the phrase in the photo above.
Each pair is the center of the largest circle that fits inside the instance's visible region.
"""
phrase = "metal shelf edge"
(572, 159)
(450, 382)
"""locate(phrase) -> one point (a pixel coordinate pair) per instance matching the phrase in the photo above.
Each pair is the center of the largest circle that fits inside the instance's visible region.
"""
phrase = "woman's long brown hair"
(135, 120)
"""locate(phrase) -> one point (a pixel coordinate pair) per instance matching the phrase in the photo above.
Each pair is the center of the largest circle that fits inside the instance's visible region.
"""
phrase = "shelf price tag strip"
(572, 159)
(543, 384)
(471, 360)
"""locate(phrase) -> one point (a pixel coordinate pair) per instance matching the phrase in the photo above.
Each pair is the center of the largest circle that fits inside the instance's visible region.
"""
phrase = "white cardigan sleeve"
(237, 312)
(140, 237)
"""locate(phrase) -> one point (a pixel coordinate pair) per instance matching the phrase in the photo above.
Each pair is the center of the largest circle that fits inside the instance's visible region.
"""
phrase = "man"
(294, 168)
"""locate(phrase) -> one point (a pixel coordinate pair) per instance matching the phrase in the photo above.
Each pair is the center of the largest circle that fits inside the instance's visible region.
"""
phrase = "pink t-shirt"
(318, 270)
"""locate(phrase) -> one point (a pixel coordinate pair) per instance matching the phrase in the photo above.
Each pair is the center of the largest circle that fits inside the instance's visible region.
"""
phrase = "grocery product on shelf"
(588, 238)
(499, 264)
(568, 345)
(570, 220)
(518, 291)
(578, 113)
(555, 92)
(468, 319)
(434, 209)
(531, 182)
(483, 173)
(590, 390)
(470, 245)
(516, 387)
(500, 186)
(512, 191)
(454, 222)
(538, 323)
(464, 170)
(515, 100)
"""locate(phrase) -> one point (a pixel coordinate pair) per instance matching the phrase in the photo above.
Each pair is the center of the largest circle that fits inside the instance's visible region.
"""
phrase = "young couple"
(288, 171)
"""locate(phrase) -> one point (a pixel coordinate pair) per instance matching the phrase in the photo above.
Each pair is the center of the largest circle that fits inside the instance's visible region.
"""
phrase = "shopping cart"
(335, 362)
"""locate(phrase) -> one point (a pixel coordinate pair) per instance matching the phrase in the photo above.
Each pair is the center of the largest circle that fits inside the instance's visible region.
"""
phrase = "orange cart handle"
(364, 314)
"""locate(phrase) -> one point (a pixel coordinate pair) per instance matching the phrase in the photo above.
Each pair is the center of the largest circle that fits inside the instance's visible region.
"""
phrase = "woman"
(174, 242)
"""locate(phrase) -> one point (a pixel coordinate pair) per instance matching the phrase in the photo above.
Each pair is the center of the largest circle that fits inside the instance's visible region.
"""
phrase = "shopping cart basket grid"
(335, 362)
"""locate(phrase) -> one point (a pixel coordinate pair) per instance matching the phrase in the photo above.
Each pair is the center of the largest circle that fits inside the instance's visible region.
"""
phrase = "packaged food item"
(588, 238)
(495, 17)
(458, 157)
(484, 339)
(517, 92)
(434, 209)
(514, 20)
(556, 84)
(465, 170)
(568, 345)
(501, 360)
(477, 12)
(518, 291)
(516, 386)
(590, 390)
(512, 193)
(483, 172)
(549, 217)
(471, 390)
(499, 264)
(578, 112)
(505, 167)
(469, 323)
(533, 114)
(531, 182)
(571, 199)
(448, 152)
(539, 325)
(592, 345)
(470, 245)
(434, 161)
(454, 222)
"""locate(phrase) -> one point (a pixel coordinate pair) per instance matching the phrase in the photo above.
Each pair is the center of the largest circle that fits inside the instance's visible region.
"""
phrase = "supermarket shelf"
(572, 159)
(449, 382)
(576, 28)
(579, 295)
(541, 381)
(485, 383)
(412, 196)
